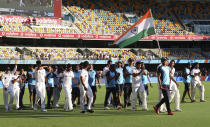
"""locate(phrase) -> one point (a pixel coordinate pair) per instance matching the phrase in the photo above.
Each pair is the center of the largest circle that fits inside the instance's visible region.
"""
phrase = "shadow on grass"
(59, 112)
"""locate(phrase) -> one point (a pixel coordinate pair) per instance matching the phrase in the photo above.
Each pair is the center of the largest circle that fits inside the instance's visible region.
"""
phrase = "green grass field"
(193, 115)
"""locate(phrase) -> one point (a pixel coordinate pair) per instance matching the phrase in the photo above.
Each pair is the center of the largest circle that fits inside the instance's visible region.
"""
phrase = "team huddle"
(79, 83)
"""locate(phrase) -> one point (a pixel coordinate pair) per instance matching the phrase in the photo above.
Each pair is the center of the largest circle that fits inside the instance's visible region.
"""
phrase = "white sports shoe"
(44, 110)
(106, 108)
(178, 110)
(31, 106)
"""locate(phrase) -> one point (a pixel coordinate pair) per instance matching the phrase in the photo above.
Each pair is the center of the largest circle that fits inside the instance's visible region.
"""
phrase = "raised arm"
(14, 69)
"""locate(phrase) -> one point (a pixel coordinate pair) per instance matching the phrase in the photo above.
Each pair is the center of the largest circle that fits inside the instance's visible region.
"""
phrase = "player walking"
(31, 86)
(85, 89)
(40, 77)
(196, 82)
(164, 77)
(175, 91)
(7, 87)
(187, 81)
(93, 76)
(68, 76)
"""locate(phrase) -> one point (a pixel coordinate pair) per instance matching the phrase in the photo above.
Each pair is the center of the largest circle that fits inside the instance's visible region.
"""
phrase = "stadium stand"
(97, 54)
(112, 17)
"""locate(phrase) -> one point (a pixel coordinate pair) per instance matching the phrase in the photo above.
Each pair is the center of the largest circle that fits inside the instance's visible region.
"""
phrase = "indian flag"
(142, 28)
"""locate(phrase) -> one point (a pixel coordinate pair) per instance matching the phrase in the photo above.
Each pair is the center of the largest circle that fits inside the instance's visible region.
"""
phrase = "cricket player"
(56, 90)
(7, 87)
(85, 89)
(175, 91)
(50, 77)
(105, 70)
(16, 80)
(110, 86)
(144, 90)
(22, 88)
(31, 86)
(41, 79)
(164, 77)
(93, 77)
(119, 84)
(187, 82)
(196, 82)
(75, 87)
(128, 82)
(163, 106)
(136, 83)
(68, 76)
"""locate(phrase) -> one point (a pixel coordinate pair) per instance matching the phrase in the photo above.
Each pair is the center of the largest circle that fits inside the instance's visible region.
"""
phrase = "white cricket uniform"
(40, 76)
(196, 83)
(136, 88)
(6, 81)
(163, 106)
(83, 92)
(105, 70)
(174, 93)
(16, 89)
(67, 85)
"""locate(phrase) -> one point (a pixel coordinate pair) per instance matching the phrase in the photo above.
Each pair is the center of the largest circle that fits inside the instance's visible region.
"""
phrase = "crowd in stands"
(181, 54)
(98, 54)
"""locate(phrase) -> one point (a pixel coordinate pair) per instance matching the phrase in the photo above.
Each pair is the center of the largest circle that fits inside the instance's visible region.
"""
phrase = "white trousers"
(163, 106)
(68, 100)
(5, 96)
(89, 94)
(143, 94)
(16, 93)
(40, 90)
(197, 84)
(175, 94)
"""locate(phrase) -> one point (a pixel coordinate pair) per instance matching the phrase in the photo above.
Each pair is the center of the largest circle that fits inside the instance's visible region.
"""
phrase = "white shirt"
(84, 75)
(195, 71)
(172, 73)
(17, 83)
(67, 78)
(137, 81)
(40, 75)
(7, 78)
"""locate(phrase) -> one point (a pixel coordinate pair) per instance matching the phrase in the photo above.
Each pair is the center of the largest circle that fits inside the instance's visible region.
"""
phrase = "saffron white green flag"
(142, 28)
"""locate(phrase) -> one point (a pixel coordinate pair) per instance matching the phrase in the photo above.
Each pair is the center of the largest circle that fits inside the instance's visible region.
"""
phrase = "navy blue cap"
(164, 59)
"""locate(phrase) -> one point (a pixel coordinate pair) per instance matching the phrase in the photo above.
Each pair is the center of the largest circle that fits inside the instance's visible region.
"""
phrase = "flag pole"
(156, 37)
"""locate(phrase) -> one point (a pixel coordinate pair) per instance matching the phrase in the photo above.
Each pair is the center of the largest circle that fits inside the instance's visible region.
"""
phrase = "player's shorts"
(187, 86)
(119, 88)
(94, 89)
(32, 89)
(75, 92)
